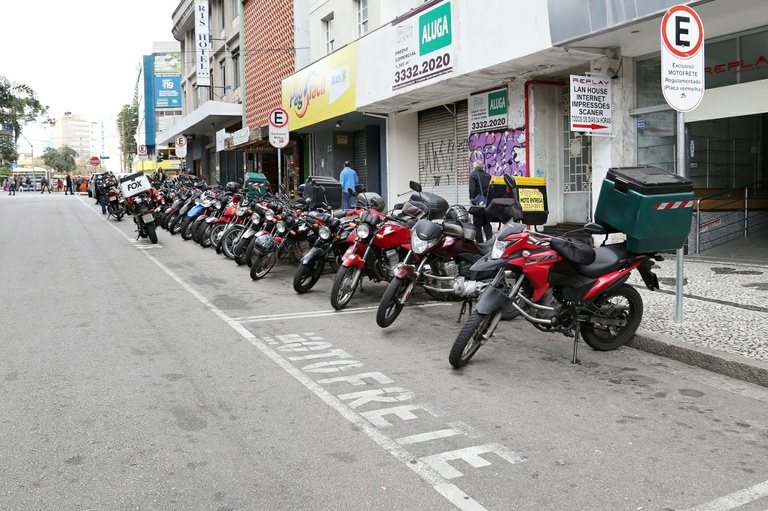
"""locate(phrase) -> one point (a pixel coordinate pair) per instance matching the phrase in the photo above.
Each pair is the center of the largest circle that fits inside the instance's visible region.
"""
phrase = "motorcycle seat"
(607, 258)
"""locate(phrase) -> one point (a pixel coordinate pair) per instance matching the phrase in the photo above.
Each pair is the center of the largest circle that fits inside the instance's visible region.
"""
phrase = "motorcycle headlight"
(197, 201)
(218, 204)
(269, 215)
(324, 232)
(500, 246)
(256, 219)
(281, 227)
(419, 246)
(363, 231)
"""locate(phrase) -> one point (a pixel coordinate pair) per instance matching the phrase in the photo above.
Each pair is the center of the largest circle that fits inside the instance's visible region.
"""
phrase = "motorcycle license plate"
(112, 199)
(148, 217)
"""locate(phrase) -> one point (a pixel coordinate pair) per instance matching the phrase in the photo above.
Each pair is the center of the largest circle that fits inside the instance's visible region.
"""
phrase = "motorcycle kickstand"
(466, 306)
(576, 338)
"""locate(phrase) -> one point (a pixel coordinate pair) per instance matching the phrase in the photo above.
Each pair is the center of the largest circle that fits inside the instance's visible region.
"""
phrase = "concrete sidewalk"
(725, 311)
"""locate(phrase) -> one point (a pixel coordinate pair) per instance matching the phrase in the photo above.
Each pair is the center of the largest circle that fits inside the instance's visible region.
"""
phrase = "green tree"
(19, 106)
(61, 159)
(127, 124)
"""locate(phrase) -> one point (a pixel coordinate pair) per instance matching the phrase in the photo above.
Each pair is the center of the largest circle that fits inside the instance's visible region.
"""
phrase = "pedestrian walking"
(68, 189)
(44, 185)
(59, 184)
(479, 182)
(349, 179)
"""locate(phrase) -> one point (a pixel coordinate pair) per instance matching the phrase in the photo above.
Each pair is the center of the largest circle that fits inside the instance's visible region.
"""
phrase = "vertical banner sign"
(202, 43)
(591, 104)
(488, 111)
(682, 58)
(167, 80)
(423, 46)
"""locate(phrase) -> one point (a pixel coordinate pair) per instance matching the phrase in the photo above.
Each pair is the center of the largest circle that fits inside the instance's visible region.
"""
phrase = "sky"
(81, 56)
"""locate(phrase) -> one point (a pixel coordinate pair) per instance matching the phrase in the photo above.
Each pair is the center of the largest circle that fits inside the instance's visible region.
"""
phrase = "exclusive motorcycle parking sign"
(682, 58)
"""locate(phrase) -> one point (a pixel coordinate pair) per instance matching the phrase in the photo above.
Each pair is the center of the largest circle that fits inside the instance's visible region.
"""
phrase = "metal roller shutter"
(444, 153)
(360, 157)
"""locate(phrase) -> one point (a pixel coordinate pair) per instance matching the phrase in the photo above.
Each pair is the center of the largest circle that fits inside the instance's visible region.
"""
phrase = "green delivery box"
(256, 184)
(651, 206)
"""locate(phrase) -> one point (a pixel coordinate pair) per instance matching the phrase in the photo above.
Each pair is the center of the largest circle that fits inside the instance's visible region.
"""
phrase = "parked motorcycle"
(332, 229)
(439, 255)
(376, 246)
(138, 197)
(292, 234)
(203, 205)
(115, 203)
(559, 285)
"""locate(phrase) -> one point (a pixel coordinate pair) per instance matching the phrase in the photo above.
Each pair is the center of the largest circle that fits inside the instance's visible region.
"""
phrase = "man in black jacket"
(479, 183)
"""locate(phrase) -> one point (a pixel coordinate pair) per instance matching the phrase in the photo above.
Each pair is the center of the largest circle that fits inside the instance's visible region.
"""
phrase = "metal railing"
(737, 212)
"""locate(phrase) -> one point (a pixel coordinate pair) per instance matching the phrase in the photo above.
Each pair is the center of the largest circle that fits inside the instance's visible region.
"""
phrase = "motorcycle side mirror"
(239, 180)
(416, 187)
(593, 228)
(399, 205)
(359, 188)
(510, 181)
(351, 192)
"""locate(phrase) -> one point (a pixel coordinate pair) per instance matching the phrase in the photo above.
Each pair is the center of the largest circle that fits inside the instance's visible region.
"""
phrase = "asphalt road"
(161, 377)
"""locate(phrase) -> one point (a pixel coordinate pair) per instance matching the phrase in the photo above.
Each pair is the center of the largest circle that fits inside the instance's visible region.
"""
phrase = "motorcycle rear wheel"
(624, 306)
(262, 264)
(169, 219)
(307, 275)
(200, 232)
(392, 302)
(478, 329)
(344, 286)
(151, 232)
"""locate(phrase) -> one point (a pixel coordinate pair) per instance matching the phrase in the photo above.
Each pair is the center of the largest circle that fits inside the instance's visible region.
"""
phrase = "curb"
(727, 364)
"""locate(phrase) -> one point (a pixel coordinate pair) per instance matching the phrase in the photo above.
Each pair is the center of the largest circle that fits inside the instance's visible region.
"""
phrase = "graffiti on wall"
(438, 159)
(502, 152)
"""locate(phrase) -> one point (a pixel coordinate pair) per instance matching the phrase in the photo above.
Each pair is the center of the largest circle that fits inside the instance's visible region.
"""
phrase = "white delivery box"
(133, 184)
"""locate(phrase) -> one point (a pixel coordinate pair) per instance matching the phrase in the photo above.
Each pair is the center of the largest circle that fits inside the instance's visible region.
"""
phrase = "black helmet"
(458, 213)
(233, 186)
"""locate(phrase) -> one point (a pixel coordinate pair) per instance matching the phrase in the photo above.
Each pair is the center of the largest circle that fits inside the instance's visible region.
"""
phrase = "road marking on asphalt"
(322, 313)
(421, 466)
(736, 499)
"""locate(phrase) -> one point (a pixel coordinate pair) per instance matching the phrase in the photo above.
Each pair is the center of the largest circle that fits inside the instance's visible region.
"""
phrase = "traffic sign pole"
(682, 84)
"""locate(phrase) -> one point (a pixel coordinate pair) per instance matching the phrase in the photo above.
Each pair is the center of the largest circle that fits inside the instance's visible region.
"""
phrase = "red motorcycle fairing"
(392, 235)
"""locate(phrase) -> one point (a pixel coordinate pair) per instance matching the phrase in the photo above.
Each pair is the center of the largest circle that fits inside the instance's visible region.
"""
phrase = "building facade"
(422, 71)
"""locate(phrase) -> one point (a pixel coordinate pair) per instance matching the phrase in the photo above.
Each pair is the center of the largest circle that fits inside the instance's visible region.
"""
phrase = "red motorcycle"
(561, 285)
(376, 246)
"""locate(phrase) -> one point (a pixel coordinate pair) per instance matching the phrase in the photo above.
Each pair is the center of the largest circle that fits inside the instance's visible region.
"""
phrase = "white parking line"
(736, 499)
(318, 314)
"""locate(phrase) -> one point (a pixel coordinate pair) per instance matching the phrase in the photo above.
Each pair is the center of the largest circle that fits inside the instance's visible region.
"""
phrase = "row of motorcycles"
(557, 284)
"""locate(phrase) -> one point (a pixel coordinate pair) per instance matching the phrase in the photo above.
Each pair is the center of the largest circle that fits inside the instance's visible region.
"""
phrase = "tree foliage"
(61, 159)
(127, 124)
(19, 106)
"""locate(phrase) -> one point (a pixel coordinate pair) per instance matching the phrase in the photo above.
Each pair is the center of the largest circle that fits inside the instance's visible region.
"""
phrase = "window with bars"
(362, 17)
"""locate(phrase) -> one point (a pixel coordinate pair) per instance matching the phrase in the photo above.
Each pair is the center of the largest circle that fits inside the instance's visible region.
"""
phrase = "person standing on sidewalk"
(479, 182)
(349, 179)
(44, 185)
(12, 186)
(68, 188)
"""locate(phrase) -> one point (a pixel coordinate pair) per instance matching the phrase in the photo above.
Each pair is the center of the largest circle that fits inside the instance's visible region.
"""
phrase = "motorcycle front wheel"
(613, 318)
(392, 302)
(307, 275)
(186, 228)
(213, 236)
(478, 329)
(174, 226)
(262, 264)
(344, 286)
(230, 238)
